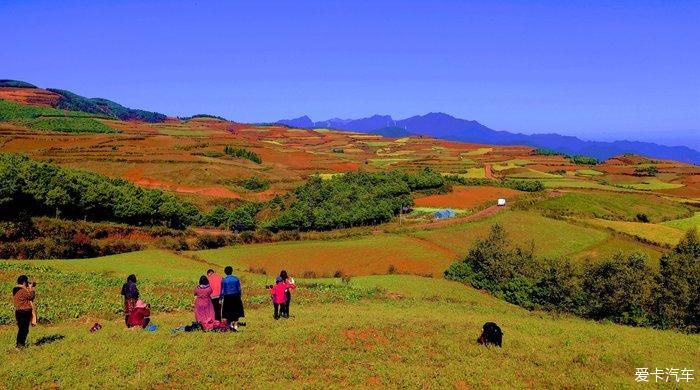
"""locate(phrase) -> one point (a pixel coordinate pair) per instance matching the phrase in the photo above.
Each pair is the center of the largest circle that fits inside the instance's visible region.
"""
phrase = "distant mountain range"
(444, 126)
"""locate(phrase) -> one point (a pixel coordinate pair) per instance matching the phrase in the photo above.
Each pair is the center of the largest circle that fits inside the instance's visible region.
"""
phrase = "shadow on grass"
(49, 339)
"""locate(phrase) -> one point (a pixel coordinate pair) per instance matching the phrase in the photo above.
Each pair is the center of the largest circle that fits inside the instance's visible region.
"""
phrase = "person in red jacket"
(279, 296)
(140, 316)
(215, 284)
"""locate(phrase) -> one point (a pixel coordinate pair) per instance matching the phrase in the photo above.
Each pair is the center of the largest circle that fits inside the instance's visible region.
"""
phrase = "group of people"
(217, 303)
(137, 314)
(281, 293)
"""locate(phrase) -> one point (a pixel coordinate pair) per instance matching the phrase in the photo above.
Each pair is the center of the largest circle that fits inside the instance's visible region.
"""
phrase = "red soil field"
(216, 192)
(467, 197)
(33, 96)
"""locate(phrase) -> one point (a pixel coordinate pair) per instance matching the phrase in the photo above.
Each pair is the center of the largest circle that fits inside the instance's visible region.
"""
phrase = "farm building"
(446, 213)
(501, 201)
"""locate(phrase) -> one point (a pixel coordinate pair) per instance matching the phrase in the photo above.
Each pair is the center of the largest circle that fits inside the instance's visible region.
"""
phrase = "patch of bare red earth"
(217, 192)
(467, 197)
(33, 96)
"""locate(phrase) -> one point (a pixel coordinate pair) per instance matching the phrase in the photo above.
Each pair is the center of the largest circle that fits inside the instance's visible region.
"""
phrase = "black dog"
(491, 334)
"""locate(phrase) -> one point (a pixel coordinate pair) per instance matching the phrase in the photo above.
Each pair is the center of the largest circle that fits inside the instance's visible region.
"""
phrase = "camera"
(269, 286)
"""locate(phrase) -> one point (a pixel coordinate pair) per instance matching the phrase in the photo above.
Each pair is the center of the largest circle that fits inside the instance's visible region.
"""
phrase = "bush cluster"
(240, 219)
(243, 153)
(353, 199)
(623, 289)
(585, 160)
(650, 170)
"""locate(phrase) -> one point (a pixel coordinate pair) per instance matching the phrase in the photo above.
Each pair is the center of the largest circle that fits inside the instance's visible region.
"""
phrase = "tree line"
(622, 289)
(353, 199)
(46, 189)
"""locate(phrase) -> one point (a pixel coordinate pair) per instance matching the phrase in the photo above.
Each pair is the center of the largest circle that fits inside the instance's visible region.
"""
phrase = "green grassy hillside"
(411, 332)
(615, 206)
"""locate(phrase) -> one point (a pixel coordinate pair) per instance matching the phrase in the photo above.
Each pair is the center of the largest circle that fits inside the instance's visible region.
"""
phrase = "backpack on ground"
(491, 334)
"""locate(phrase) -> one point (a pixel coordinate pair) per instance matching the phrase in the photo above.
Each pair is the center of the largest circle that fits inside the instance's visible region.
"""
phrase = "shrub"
(212, 241)
(256, 184)
(619, 289)
(676, 295)
(641, 217)
(650, 170)
(524, 185)
(243, 153)
(585, 160)
(546, 152)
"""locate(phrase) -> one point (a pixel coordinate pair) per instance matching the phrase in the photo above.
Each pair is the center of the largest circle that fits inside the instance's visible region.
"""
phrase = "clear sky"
(597, 69)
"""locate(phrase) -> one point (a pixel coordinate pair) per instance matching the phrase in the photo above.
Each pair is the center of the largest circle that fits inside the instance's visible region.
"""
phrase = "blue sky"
(596, 69)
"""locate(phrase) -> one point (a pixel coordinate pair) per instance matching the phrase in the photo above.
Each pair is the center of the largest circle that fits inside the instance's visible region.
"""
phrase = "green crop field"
(589, 172)
(685, 223)
(533, 174)
(551, 237)
(613, 206)
(619, 244)
(655, 233)
(652, 184)
(474, 173)
(579, 184)
(51, 119)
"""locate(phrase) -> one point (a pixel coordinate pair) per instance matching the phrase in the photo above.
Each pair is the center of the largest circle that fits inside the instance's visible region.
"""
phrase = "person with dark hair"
(215, 283)
(278, 291)
(203, 307)
(232, 305)
(289, 284)
(131, 294)
(23, 296)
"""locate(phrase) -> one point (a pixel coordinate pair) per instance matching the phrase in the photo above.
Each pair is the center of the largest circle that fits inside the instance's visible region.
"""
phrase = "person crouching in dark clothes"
(23, 295)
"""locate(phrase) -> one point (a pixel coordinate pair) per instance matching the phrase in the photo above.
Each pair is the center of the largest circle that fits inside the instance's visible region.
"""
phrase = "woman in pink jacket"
(203, 308)
(279, 296)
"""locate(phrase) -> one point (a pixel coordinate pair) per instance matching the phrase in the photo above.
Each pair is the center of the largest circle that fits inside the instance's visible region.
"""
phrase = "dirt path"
(195, 258)
(433, 246)
(487, 171)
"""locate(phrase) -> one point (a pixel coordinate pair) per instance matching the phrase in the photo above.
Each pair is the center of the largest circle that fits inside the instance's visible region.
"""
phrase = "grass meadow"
(614, 206)
(418, 333)
(659, 234)
(685, 223)
(369, 329)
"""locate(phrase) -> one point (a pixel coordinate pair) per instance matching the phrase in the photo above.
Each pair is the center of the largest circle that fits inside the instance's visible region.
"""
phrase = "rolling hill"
(445, 126)
(97, 191)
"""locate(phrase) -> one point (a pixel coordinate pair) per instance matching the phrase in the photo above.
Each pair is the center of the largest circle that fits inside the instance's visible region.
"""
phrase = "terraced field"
(659, 234)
